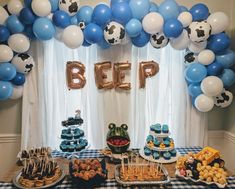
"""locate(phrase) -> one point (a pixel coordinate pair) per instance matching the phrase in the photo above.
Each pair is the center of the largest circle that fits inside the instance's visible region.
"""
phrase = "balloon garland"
(208, 59)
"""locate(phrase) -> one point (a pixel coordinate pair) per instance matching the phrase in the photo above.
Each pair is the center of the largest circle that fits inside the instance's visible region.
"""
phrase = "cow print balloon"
(82, 25)
(23, 62)
(114, 33)
(199, 31)
(190, 58)
(224, 99)
(159, 40)
(69, 6)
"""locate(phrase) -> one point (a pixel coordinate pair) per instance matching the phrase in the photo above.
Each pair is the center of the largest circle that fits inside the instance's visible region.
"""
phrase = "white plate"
(18, 185)
(159, 135)
(166, 149)
(160, 160)
(199, 181)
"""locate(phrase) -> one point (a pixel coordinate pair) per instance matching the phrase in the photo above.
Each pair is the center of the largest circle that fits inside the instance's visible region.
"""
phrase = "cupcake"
(64, 147)
(63, 134)
(166, 155)
(158, 128)
(166, 143)
(165, 128)
(156, 142)
(152, 128)
(71, 147)
(78, 147)
(173, 153)
(156, 155)
(147, 151)
(149, 138)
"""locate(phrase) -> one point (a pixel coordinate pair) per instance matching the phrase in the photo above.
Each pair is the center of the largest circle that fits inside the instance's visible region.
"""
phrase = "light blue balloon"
(133, 27)
(183, 9)
(6, 90)
(169, 9)
(7, 71)
(85, 14)
(227, 59)
(194, 90)
(118, 1)
(54, 5)
(153, 7)
(14, 24)
(139, 8)
(228, 77)
(195, 73)
(74, 20)
(43, 29)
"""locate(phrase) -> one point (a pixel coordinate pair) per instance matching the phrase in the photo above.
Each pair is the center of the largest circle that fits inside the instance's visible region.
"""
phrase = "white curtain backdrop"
(47, 101)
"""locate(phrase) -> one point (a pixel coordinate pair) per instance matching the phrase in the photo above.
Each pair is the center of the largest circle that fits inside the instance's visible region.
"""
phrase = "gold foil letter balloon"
(147, 69)
(119, 76)
(101, 76)
(75, 75)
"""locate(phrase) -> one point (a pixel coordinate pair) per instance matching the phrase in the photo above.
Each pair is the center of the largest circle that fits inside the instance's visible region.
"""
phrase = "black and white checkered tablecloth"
(175, 182)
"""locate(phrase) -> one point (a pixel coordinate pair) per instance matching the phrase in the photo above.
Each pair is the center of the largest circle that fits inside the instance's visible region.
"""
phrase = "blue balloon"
(121, 12)
(27, 3)
(101, 15)
(6, 90)
(85, 14)
(43, 29)
(227, 59)
(228, 77)
(219, 43)
(195, 73)
(85, 44)
(169, 9)
(7, 71)
(141, 40)
(74, 20)
(173, 28)
(27, 16)
(54, 5)
(103, 44)
(153, 7)
(183, 9)
(139, 8)
(29, 32)
(93, 33)
(133, 27)
(14, 24)
(194, 90)
(118, 1)
(199, 12)
(19, 79)
(4, 33)
(61, 19)
(215, 69)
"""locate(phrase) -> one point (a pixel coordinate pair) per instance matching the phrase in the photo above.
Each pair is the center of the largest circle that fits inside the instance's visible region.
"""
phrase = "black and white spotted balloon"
(159, 40)
(224, 99)
(23, 62)
(69, 6)
(199, 31)
(190, 58)
(114, 33)
(82, 25)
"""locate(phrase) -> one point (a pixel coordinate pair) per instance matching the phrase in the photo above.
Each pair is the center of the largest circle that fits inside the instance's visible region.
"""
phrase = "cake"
(72, 136)
(159, 146)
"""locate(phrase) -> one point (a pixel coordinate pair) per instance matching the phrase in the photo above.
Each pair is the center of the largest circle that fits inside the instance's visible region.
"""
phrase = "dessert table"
(62, 158)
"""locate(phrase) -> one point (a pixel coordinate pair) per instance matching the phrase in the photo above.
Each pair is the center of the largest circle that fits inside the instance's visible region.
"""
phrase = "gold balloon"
(79, 75)
(119, 76)
(147, 69)
(101, 76)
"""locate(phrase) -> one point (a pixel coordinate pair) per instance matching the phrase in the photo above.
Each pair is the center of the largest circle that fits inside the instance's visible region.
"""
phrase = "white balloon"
(17, 92)
(41, 8)
(204, 103)
(212, 86)
(153, 23)
(185, 18)
(197, 47)
(24, 63)
(224, 100)
(19, 43)
(72, 36)
(181, 42)
(206, 57)
(6, 54)
(3, 15)
(14, 7)
(219, 22)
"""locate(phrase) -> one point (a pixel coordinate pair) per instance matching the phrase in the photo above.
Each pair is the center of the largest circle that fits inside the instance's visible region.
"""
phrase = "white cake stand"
(160, 160)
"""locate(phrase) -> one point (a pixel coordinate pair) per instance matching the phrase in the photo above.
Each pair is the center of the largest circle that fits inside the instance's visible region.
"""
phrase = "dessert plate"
(18, 185)
(160, 160)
